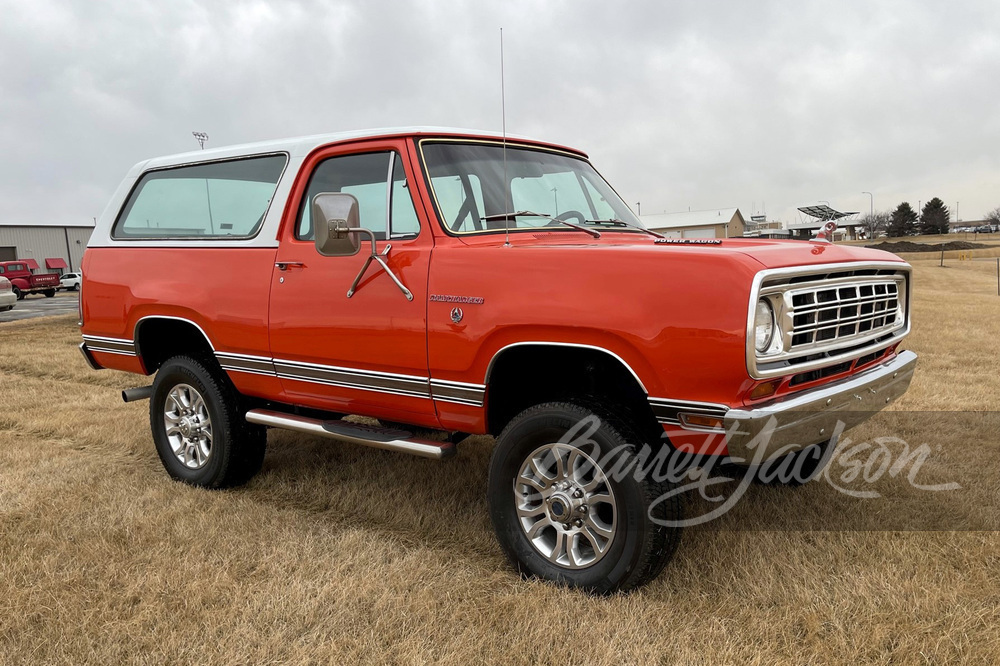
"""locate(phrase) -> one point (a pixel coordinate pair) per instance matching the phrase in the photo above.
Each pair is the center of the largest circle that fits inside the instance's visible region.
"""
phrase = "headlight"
(763, 325)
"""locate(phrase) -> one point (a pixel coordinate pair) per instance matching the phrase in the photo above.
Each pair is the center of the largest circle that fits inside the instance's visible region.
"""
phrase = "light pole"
(638, 209)
(201, 138)
(555, 196)
(871, 204)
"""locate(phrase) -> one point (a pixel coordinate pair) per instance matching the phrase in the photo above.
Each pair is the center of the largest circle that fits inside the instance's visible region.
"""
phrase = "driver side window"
(367, 177)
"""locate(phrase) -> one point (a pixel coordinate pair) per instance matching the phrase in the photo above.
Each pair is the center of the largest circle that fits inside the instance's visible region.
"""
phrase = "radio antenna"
(503, 130)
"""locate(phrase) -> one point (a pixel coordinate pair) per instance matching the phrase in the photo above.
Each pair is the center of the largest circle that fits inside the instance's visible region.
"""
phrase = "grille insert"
(825, 315)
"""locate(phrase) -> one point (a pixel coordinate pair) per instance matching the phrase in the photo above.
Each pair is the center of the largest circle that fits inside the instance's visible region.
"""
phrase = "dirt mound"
(909, 246)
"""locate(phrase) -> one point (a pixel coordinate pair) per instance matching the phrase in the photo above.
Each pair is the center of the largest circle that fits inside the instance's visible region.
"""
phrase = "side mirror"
(335, 218)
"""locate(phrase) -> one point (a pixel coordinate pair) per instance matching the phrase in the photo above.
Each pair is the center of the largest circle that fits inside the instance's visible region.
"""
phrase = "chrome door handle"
(285, 265)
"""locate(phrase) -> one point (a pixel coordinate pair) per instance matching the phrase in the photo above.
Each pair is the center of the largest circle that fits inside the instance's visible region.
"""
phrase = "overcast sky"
(680, 104)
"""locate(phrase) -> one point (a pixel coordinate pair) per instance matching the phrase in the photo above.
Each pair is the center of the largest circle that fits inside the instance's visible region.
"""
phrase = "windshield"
(468, 184)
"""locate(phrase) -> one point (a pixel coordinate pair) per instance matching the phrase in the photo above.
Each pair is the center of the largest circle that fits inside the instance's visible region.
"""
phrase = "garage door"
(700, 233)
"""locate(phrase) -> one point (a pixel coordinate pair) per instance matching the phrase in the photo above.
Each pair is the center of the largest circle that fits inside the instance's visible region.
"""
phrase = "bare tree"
(876, 224)
(993, 217)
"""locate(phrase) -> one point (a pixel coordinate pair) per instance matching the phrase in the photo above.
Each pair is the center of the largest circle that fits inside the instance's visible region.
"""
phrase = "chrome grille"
(829, 314)
(837, 314)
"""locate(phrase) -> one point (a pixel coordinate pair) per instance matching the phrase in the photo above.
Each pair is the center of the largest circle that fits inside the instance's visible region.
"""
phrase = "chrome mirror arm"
(374, 256)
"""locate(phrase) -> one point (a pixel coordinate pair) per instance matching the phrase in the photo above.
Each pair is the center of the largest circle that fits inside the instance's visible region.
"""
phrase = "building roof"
(43, 223)
(694, 218)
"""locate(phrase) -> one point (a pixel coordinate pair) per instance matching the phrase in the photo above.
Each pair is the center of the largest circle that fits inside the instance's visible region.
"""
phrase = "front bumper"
(818, 415)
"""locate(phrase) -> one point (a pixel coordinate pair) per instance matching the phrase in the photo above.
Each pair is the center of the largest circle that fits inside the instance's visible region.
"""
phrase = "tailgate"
(45, 280)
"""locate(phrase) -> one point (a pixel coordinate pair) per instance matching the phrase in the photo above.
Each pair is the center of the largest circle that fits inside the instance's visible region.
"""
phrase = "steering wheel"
(567, 215)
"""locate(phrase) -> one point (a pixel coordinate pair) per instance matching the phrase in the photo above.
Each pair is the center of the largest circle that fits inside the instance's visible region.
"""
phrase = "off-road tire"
(237, 448)
(643, 542)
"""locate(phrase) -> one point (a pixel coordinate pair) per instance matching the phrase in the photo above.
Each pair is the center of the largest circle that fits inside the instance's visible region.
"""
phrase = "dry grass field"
(340, 554)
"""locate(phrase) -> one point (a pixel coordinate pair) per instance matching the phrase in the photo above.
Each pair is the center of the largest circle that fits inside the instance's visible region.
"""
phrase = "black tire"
(237, 448)
(49, 293)
(795, 469)
(642, 542)
(18, 293)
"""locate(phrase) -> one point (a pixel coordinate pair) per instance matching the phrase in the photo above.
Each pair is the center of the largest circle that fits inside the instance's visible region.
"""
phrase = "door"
(366, 353)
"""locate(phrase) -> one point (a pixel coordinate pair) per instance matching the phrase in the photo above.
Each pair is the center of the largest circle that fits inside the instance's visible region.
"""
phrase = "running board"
(355, 433)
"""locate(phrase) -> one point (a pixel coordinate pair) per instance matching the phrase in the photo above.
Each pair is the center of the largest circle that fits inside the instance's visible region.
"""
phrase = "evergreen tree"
(903, 221)
(934, 217)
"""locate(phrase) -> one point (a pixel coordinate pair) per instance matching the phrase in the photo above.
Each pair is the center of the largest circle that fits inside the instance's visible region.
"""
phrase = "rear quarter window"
(226, 199)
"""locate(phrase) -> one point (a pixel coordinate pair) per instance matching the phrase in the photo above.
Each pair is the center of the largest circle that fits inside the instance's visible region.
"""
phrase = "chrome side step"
(355, 433)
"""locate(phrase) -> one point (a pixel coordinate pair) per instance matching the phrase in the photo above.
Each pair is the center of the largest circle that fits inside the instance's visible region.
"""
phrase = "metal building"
(49, 245)
(715, 223)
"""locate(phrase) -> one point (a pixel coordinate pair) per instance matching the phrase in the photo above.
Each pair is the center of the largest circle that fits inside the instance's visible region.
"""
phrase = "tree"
(934, 217)
(993, 217)
(875, 224)
(903, 221)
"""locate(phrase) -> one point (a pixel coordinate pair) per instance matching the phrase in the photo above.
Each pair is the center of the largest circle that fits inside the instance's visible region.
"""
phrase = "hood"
(786, 253)
(765, 253)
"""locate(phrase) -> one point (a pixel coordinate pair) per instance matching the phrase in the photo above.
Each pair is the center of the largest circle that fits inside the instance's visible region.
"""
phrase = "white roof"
(304, 144)
(694, 218)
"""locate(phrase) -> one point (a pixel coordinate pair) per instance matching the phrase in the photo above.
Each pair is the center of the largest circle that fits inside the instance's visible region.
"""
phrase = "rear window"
(218, 200)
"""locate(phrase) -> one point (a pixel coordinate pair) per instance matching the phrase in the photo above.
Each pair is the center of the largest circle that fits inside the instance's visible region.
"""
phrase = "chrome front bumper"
(784, 426)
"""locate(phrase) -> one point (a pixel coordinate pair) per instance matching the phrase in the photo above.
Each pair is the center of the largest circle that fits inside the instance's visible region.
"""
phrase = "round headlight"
(763, 325)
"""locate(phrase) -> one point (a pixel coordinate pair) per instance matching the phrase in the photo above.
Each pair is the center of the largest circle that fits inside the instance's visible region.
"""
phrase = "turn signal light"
(764, 390)
(699, 421)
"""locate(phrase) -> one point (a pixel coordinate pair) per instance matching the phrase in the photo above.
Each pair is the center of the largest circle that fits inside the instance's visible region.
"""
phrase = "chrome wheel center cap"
(188, 426)
(563, 506)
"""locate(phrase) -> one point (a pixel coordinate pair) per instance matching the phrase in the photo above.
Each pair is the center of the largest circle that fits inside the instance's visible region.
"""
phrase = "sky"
(765, 105)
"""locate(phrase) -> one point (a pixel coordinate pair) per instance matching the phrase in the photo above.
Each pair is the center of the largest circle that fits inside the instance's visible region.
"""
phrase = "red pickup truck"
(469, 283)
(23, 282)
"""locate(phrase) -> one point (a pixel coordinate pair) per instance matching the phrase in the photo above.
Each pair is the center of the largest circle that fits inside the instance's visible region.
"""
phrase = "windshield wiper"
(622, 223)
(528, 213)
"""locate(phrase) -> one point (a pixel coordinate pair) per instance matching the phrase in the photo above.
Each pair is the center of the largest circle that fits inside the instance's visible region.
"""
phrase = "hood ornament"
(825, 234)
